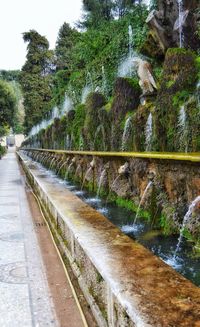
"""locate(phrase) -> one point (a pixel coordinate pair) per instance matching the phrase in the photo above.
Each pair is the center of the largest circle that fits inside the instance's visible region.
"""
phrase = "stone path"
(25, 300)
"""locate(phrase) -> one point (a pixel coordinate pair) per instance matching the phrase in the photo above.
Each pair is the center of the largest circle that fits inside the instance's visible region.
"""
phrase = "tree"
(12, 77)
(67, 37)
(7, 106)
(96, 11)
(9, 75)
(39, 57)
(36, 78)
(122, 7)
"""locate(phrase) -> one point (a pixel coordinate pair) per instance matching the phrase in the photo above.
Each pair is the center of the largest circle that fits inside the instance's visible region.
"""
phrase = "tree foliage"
(9, 75)
(102, 44)
(67, 37)
(7, 106)
(96, 11)
(36, 78)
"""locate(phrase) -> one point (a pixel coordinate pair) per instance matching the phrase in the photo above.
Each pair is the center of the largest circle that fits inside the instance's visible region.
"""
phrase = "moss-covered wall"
(99, 124)
(178, 85)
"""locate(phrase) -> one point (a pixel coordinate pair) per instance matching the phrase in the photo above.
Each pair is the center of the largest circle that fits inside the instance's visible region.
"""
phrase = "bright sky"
(45, 16)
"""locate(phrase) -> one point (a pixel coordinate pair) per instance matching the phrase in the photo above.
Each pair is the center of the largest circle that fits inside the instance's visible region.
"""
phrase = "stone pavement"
(25, 300)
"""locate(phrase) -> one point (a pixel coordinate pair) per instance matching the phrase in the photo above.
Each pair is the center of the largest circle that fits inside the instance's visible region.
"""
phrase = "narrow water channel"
(163, 246)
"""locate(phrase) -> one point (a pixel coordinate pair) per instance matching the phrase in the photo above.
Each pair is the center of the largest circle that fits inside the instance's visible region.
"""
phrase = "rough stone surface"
(150, 292)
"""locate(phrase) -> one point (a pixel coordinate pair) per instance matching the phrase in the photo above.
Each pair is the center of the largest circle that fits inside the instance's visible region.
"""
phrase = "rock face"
(163, 22)
(179, 75)
(125, 100)
(94, 103)
(122, 124)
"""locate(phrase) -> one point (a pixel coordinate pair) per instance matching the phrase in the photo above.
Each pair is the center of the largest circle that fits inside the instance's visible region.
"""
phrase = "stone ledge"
(134, 280)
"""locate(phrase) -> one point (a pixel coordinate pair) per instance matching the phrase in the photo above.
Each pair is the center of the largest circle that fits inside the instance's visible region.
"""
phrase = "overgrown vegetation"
(15, 112)
(46, 76)
(7, 107)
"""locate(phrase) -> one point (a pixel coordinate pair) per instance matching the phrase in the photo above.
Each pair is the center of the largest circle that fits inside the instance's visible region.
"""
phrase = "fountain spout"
(124, 169)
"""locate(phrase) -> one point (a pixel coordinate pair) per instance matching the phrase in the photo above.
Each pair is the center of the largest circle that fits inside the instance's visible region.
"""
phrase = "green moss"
(124, 203)
(169, 84)
(109, 105)
(166, 225)
(130, 205)
(178, 84)
(94, 103)
(134, 82)
(180, 51)
(180, 98)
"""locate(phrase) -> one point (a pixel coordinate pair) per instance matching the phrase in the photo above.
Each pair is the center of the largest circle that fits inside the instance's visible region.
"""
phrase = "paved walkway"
(25, 300)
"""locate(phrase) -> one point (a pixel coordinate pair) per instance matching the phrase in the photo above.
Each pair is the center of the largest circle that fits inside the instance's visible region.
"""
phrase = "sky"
(45, 16)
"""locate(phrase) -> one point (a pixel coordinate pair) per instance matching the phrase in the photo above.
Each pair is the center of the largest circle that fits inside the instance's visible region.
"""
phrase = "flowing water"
(125, 67)
(100, 129)
(101, 181)
(198, 93)
(149, 133)
(65, 163)
(126, 133)
(89, 87)
(163, 246)
(179, 22)
(55, 113)
(86, 175)
(142, 200)
(130, 41)
(185, 221)
(67, 105)
(182, 128)
(51, 163)
(182, 118)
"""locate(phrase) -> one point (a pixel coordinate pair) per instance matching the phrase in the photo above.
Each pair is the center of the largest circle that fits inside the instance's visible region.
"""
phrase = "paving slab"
(25, 299)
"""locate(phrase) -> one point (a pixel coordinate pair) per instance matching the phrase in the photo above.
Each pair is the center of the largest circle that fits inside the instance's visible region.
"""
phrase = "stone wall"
(174, 184)
(121, 280)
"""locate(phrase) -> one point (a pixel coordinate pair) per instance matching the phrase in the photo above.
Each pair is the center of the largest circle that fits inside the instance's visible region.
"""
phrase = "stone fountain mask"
(124, 169)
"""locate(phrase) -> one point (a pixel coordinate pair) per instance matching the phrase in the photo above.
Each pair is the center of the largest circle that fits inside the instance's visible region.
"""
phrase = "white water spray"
(185, 221)
(126, 132)
(182, 16)
(125, 68)
(149, 133)
(142, 200)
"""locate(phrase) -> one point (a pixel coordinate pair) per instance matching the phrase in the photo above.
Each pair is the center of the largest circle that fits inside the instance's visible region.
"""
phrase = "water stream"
(126, 133)
(89, 87)
(125, 67)
(185, 221)
(101, 180)
(174, 249)
(182, 15)
(86, 175)
(142, 200)
(149, 133)
(182, 127)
